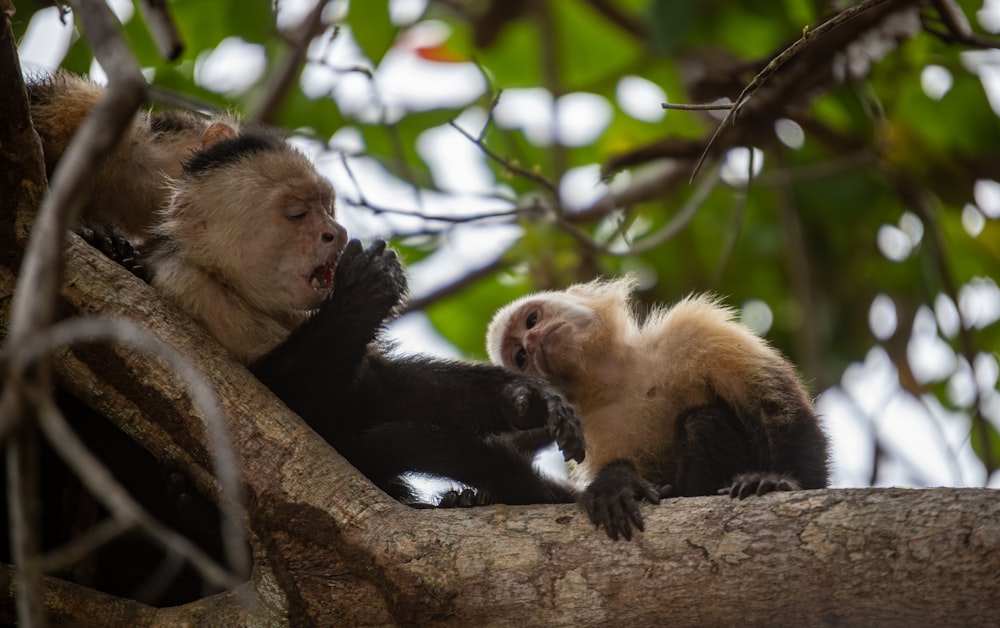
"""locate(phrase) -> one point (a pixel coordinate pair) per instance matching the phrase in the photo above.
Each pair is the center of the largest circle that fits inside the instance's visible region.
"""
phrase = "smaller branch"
(518, 170)
(84, 544)
(626, 22)
(807, 39)
(447, 290)
(957, 27)
(24, 354)
(280, 82)
(162, 27)
(704, 107)
(481, 217)
(25, 543)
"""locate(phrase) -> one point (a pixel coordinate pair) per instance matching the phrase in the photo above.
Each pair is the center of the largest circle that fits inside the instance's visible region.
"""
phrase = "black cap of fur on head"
(231, 150)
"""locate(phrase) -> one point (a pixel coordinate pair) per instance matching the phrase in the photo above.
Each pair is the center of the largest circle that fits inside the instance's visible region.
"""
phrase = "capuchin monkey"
(248, 247)
(133, 183)
(687, 402)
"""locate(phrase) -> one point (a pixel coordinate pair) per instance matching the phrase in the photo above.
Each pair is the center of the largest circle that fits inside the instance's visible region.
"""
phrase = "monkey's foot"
(746, 484)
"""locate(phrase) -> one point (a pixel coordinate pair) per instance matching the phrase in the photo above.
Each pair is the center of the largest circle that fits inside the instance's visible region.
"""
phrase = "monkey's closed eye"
(296, 213)
(532, 320)
(520, 358)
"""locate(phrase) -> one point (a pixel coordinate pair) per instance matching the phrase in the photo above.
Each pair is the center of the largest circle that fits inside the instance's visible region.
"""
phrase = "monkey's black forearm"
(479, 398)
(315, 368)
(387, 450)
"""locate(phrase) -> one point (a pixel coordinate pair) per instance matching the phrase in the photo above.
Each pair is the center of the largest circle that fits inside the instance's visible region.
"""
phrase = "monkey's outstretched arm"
(314, 369)
(480, 398)
(497, 472)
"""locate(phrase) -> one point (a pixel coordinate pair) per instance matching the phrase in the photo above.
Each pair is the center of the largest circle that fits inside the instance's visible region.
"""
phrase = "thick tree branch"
(341, 552)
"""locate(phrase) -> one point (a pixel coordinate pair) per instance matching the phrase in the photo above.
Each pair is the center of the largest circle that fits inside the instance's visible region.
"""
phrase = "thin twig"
(938, 251)
(704, 107)
(280, 82)
(449, 289)
(84, 544)
(162, 27)
(116, 499)
(957, 27)
(807, 39)
(514, 168)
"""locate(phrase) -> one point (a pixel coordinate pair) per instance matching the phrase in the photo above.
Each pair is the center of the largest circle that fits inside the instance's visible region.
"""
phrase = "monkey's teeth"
(322, 277)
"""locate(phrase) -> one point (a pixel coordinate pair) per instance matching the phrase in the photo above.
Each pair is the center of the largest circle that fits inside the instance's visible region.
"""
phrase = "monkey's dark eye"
(532, 320)
(520, 358)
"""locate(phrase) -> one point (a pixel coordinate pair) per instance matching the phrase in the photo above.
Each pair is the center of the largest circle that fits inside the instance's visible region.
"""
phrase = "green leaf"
(372, 28)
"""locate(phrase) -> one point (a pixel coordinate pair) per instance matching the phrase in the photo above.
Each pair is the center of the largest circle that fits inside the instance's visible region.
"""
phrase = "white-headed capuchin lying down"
(687, 402)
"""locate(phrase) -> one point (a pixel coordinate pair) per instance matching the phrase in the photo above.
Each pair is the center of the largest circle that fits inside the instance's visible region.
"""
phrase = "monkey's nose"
(338, 235)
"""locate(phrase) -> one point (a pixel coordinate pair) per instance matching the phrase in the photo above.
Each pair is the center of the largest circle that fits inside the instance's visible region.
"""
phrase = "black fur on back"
(233, 150)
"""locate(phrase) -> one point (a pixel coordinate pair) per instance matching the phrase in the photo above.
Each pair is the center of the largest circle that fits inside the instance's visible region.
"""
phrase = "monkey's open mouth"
(321, 278)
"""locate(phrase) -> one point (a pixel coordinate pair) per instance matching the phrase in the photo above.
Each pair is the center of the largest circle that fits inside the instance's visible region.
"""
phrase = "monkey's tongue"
(322, 277)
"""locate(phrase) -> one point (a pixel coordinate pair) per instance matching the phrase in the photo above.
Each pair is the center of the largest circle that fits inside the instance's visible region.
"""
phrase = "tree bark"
(329, 548)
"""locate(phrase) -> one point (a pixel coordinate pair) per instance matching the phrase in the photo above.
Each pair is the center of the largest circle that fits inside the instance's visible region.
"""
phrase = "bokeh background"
(849, 213)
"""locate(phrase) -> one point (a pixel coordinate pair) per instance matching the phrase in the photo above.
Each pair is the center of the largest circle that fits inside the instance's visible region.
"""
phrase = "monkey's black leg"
(713, 446)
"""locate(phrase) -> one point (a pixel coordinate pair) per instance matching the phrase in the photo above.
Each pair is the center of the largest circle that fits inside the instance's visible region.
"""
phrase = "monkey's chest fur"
(638, 425)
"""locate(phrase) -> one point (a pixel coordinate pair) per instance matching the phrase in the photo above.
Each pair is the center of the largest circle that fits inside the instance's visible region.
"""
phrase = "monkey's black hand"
(466, 498)
(368, 283)
(534, 399)
(746, 484)
(612, 499)
(113, 242)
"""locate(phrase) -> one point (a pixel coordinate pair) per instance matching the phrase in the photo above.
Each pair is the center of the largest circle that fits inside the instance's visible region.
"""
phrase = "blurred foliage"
(802, 238)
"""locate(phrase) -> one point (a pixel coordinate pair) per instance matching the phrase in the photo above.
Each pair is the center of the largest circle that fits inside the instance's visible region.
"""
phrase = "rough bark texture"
(330, 549)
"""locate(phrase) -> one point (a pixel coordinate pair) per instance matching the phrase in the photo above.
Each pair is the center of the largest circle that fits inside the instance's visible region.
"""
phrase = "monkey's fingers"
(747, 484)
(352, 249)
(466, 498)
(564, 427)
(376, 247)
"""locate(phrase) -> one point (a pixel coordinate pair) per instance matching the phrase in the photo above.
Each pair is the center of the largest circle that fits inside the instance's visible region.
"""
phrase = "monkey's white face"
(273, 238)
(294, 249)
(546, 337)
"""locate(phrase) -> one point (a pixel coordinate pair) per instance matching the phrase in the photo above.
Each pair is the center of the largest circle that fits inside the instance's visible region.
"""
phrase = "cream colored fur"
(629, 381)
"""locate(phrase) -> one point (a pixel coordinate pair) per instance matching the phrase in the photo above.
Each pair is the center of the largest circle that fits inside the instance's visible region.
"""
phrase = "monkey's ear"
(215, 132)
